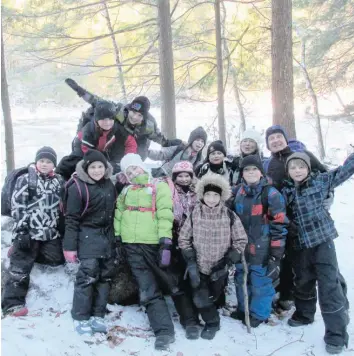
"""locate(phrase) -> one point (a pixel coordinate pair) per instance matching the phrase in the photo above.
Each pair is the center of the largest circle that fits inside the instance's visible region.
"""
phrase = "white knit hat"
(132, 159)
(253, 135)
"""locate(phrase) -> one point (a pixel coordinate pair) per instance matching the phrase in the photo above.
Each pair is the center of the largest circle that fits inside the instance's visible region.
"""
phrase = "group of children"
(181, 239)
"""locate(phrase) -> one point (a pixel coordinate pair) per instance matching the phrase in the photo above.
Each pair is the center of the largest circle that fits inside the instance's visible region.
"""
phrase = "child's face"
(105, 124)
(96, 170)
(198, 144)
(252, 175)
(211, 199)
(183, 179)
(45, 165)
(248, 146)
(216, 157)
(135, 118)
(133, 171)
(298, 170)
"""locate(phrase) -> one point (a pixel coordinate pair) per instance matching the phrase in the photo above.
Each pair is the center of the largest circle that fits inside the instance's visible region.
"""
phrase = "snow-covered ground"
(48, 330)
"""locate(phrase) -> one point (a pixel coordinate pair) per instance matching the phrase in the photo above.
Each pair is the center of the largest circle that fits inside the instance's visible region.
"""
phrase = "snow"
(48, 329)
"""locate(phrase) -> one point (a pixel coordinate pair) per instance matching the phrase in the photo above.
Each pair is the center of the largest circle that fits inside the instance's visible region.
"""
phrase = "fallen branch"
(289, 343)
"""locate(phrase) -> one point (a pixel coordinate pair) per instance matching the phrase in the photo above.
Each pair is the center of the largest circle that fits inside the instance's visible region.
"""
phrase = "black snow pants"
(21, 264)
(142, 259)
(92, 286)
(319, 264)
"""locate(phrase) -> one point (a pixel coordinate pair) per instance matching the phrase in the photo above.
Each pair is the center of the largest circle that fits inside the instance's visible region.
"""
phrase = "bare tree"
(168, 107)
(5, 102)
(282, 66)
(219, 64)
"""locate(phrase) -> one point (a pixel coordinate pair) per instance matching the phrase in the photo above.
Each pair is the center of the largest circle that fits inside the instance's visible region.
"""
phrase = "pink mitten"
(70, 256)
(122, 178)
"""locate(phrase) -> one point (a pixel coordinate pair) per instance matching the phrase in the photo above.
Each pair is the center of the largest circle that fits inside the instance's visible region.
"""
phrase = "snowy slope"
(48, 330)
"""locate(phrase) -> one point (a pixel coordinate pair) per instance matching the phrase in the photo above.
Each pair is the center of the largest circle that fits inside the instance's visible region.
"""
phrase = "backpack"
(82, 190)
(9, 186)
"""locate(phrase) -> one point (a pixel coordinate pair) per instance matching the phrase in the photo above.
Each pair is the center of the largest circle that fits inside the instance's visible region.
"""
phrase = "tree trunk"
(282, 66)
(116, 51)
(168, 107)
(314, 100)
(219, 63)
(5, 102)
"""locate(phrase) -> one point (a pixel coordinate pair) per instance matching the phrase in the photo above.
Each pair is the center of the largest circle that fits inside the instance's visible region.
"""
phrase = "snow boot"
(295, 321)
(285, 304)
(334, 349)
(162, 342)
(192, 332)
(17, 311)
(98, 325)
(238, 315)
(83, 327)
(208, 333)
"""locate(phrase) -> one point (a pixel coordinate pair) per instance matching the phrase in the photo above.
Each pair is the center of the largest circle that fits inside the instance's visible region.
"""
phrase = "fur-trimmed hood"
(86, 178)
(217, 180)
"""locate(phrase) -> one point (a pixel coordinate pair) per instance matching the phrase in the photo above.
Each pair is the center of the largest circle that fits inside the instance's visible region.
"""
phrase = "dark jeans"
(319, 264)
(21, 264)
(92, 286)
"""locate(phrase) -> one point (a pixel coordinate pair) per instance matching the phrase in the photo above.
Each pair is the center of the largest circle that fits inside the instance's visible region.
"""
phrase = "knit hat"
(199, 132)
(132, 159)
(48, 153)
(182, 167)
(251, 160)
(140, 104)
(276, 129)
(104, 110)
(93, 156)
(299, 155)
(252, 135)
(216, 146)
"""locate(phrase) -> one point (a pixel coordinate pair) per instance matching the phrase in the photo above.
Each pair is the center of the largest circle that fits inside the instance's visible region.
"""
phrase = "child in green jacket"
(143, 225)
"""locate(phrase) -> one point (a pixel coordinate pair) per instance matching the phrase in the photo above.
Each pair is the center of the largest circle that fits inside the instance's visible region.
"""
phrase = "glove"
(122, 178)
(220, 270)
(169, 143)
(23, 241)
(327, 203)
(232, 256)
(74, 86)
(192, 268)
(165, 252)
(121, 254)
(273, 269)
(70, 256)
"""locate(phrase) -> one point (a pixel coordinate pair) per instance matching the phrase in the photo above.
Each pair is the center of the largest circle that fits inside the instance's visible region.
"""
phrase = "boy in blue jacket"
(315, 257)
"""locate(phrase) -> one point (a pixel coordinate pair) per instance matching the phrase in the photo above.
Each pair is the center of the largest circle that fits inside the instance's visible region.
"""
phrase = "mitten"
(74, 86)
(273, 269)
(23, 241)
(192, 269)
(70, 256)
(165, 252)
(121, 254)
(232, 256)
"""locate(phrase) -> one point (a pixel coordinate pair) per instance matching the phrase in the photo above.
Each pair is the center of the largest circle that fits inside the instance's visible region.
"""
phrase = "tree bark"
(168, 107)
(282, 66)
(116, 51)
(219, 63)
(5, 102)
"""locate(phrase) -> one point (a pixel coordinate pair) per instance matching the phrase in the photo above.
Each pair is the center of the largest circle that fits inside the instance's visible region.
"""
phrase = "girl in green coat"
(143, 225)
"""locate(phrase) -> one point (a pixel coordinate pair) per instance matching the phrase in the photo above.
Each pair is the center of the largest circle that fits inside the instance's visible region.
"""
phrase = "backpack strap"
(84, 194)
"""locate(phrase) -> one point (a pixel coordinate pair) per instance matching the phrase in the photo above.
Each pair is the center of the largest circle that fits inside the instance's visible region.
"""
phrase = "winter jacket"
(265, 226)
(134, 219)
(275, 166)
(305, 205)
(170, 158)
(211, 231)
(91, 234)
(39, 216)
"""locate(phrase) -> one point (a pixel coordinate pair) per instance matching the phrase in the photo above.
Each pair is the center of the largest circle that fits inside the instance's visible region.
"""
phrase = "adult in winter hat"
(93, 156)
(104, 110)
(182, 167)
(48, 153)
(132, 159)
(252, 134)
(199, 132)
(299, 155)
(216, 146)
(276, 129)
(140, 104)
(251, 160)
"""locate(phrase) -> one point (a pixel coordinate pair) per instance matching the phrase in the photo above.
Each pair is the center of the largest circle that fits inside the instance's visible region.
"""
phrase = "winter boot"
(17, 311)
(83, 327)
(295, 321)
(98, 325)
(208, 333)
(334, 349)
(238, 315)
(285, 304)
(192, 332)
(162, 342)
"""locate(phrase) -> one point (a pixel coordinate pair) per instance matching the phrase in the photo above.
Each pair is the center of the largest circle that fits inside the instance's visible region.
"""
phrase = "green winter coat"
(144, 227)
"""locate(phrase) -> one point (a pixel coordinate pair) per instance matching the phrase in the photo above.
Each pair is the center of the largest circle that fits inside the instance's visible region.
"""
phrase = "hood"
(86, 178)
(217, 180)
